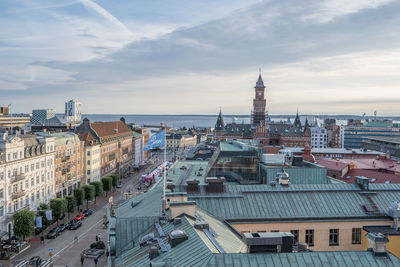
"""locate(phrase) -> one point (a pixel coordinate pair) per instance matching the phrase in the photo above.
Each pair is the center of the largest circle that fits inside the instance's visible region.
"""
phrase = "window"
(295, 234)
(356, 236)
(32, 182)
(88, 153)
(37, 165)
(333, 237)
(88, 172)
(88, 162)
(42, 178)
(33, 197)
(26, 183)
(32, 166)
(26, 168)
(2, 211)
(1, 193)
(310, 237)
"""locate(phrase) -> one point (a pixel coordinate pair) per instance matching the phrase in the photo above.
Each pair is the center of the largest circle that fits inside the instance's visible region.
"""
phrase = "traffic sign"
(50, 254)
(50, 250)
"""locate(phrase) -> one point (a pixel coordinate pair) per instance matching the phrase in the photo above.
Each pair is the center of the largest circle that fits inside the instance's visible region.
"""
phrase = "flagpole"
(165, 170)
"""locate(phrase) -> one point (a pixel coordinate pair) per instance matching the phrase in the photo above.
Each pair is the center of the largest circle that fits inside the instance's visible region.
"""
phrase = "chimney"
(153, 252)
(178, 208)
(302, 247)
(363, 182)
(123, 120)
(192, 186)
(394, 212)
(175, 197)
(377, 243)
(215, 184)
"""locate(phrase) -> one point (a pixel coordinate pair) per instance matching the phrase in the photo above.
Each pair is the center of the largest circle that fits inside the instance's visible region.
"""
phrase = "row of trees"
(24, 220)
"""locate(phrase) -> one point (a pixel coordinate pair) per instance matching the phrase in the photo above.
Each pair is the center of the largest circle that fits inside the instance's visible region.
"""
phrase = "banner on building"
(156, 140)
(49, 215)
(39, 222)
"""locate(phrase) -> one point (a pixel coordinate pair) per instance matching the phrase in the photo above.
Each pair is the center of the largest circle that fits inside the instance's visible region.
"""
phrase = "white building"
(73, 112)
(318, 137)
(26, 174)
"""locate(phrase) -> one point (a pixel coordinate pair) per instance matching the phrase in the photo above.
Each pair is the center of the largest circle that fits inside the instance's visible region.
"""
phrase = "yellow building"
(8, 121)
(181, 140)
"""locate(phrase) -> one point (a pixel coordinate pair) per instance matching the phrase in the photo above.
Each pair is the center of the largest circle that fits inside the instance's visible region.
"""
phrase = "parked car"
(75, 225)
(64, 226)
(35, 261)
(98, 245)
(92, 253)
(88, 212)
(79, 216)
(119, 185)
(53, 233)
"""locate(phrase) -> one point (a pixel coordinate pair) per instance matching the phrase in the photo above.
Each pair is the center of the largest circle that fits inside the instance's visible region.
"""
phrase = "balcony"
(65, 171)
(17, 177)
(18, 194)
(66, 158)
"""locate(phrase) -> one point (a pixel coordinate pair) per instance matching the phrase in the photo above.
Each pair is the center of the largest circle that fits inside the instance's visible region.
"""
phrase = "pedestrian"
(95, 261)
(107, 253)
(76, 239)
(97, 238)
(82, 260)
(42, 240)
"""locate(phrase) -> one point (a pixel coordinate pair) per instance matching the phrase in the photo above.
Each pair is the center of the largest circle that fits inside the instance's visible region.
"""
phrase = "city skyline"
(332, 57)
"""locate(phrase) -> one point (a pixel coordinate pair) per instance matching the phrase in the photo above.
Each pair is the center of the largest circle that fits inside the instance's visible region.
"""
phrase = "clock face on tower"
(259, 93)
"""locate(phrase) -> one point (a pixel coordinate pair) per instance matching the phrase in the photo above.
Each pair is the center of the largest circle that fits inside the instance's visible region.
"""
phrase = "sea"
(188, 121)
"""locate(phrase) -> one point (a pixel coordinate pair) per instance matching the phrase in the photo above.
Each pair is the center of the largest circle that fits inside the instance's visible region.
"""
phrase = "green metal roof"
(325, 201)
(191, 252)
(191, 171)
(62, 138)
(323, 259)
(312, 174)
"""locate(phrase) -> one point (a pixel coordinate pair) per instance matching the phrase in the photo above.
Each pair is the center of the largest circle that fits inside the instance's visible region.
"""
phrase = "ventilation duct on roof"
(394, 212)
(215, 184)
(363, 182)
(377, 243)
(153, 252)
(176, 237)
(192, 186)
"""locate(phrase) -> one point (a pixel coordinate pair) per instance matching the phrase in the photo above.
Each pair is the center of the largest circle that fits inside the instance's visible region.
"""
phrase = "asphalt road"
(65, 250)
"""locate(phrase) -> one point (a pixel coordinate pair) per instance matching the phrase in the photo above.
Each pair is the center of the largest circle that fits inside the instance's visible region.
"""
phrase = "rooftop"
(394, 140)
(335, 151)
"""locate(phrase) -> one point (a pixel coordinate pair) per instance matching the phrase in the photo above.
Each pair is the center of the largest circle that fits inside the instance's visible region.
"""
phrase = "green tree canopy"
(41, 211)
(98, 189)
(115, 179)
(71, 204)
(89, 193)
(59, 207)
(107, 184)
(79, 195)
(24, 223)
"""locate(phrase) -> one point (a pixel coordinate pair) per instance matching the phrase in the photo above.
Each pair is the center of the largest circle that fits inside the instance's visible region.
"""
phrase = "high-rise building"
(73, 112)
(41, 115)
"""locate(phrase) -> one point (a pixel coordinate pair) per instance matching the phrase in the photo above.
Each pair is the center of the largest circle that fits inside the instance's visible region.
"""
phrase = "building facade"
(390, 145)
(353, 136)
(177, 140)
(318, 137)
(115, 140)
(26, 174)
(73, 112)
(68, 162)
(41, 115)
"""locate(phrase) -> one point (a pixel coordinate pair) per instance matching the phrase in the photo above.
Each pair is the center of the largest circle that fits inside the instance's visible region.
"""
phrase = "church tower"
(258, 114)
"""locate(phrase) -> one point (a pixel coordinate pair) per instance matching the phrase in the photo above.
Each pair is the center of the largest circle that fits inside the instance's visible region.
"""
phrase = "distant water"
(177, 121)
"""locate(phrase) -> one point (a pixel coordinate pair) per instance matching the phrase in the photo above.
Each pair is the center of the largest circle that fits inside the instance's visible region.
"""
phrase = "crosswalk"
(25, 263)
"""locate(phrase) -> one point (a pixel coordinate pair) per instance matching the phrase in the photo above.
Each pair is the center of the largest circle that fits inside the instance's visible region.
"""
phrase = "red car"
(79, 216)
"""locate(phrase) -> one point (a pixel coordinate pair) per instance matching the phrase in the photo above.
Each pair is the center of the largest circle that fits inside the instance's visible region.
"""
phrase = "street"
(66, 251)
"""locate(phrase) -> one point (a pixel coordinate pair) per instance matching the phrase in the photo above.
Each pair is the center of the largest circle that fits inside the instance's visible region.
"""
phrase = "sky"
(195, 57)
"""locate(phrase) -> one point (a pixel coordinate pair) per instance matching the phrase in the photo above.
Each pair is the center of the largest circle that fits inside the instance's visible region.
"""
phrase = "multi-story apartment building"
(26, 174)
(73, 112)
(68, 162)
(91, 158)
(180, 140)
(115, 139)
(318, 137)
(138, 141)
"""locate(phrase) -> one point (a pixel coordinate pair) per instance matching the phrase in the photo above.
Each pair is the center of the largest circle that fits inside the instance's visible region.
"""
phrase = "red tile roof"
(380, 177)
(332, 164)
(110, 129)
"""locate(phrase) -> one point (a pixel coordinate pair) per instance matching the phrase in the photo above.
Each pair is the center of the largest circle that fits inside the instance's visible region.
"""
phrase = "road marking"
(79, 237)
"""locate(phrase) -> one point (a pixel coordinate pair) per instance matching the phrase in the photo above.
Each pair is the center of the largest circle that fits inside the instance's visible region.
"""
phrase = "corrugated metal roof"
(337, 258)
(247, 202)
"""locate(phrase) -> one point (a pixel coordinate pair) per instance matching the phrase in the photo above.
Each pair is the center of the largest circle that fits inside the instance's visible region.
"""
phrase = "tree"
(79, 195)
(71, 204)
(59, 207)
(24, 223)
(115, 179)
(107, 183)
(89, 193)
(41, 211)
(98, 190)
